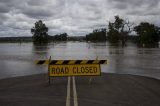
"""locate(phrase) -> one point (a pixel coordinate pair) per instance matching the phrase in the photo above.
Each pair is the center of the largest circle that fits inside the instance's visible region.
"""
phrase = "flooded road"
(18, 59)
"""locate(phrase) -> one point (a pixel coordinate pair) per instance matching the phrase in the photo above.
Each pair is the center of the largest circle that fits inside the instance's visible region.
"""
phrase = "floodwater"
(19, 59)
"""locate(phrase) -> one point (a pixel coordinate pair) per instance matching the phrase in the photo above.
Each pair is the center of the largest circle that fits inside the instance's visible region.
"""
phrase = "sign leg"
(49, 79)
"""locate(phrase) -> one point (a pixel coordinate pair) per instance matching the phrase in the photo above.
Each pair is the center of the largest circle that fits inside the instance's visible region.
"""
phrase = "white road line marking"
(68, 92)
(75, 92)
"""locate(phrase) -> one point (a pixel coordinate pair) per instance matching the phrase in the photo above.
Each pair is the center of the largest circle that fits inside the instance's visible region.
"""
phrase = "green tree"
(113, 34)
(40, 32)
(119, 30)
(148, 34)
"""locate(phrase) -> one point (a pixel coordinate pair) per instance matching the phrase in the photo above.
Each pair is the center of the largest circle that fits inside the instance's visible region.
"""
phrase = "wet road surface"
(105, 90)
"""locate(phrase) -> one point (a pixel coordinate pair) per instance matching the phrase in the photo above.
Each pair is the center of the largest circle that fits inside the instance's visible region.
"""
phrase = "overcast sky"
(75, 17)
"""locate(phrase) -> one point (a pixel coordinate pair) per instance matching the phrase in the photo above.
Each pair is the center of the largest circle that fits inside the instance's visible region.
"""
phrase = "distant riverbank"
(16, 39)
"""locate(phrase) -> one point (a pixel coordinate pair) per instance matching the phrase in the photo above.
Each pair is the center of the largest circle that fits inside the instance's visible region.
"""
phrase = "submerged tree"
(113, 34)
(98, 35)
(40, 32)
(60, 37)
(119, 30)
(148, 34)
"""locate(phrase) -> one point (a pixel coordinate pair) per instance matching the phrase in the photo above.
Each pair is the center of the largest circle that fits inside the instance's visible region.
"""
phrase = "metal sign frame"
(70, 62)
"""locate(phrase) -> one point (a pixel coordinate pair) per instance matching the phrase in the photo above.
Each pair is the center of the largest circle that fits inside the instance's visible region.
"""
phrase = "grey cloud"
(144, 12)
(76, 17)
(3, 17)
(37, 13)
(35, 3)
(4, 8)
(42, 9)
(121, 4)
(32, 8)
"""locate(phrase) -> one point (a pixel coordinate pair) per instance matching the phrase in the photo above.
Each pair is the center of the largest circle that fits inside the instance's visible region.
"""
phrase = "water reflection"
(40, 51)
(101, 45)
(154, 45)
(137, 61)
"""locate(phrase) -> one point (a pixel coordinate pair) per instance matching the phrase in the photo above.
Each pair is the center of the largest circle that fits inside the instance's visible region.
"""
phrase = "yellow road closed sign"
(74, 70)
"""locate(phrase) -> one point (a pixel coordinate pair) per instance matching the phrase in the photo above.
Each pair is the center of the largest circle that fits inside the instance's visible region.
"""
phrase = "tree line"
(120, 31)
(117, 32)
(97, 35)
(59, 37)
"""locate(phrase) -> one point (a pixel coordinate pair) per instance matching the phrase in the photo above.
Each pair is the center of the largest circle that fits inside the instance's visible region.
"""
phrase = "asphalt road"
(105, 90)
